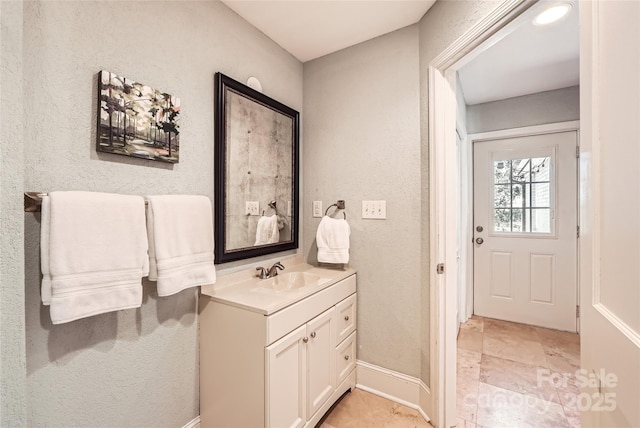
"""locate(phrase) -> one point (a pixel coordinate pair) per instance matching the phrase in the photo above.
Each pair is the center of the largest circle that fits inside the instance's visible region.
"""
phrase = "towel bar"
(339, 205)
(33, 201)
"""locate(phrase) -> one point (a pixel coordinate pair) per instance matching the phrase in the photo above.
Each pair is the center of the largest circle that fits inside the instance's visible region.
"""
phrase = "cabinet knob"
(305, 339)
(313, 334)
(346, 317)
(346, 357)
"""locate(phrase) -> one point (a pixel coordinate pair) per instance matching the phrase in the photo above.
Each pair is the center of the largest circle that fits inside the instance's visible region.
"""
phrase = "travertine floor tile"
(514, 348)
(465, 424)
(468, 365)
(467, 400)
(474, 323)
(504, 380)
(404, 417)
(498, 407)
(517, 377)
(360, 409)
(471, 340)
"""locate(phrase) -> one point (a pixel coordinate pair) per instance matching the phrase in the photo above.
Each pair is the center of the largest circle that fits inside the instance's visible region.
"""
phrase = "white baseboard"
(398, 387)
(194, 423)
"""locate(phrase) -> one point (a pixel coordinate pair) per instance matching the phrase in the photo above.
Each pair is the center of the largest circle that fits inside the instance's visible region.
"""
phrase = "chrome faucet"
(273, 270)
(264, 273)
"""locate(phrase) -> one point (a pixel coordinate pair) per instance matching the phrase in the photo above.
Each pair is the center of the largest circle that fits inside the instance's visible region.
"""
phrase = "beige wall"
(362, 142)
(134, 367)
(560, 105)
(13, 407)
(365, 136)
(439, 28)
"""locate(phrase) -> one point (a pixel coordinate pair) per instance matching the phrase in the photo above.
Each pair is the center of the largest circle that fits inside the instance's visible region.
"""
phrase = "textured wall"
(12, 352)
(135, 367)
(446, 21)
(536, 109)
(362, 142)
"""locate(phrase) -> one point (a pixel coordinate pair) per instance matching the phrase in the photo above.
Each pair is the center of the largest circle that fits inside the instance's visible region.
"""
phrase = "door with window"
(525, 229)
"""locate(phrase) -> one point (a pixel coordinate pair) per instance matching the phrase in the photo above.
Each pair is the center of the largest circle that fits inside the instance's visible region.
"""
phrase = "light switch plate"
(376, 210)
(252, 208)
(317, 208)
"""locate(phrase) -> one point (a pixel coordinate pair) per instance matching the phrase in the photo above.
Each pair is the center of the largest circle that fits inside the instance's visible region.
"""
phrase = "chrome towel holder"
(339, 206)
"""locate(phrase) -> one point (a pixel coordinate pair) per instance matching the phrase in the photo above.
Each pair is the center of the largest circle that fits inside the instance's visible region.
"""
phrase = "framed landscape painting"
(136, 120)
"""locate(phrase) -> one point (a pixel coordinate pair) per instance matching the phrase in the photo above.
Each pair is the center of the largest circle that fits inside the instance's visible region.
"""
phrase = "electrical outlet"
(252, 208)
(317, 208)
(374, 210)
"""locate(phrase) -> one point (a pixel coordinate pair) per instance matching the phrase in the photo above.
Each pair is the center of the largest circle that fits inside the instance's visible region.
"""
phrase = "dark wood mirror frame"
(223, 84)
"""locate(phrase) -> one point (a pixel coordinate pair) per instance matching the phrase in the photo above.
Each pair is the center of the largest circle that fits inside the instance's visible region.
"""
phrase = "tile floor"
(504, 380)
(360, 409)
(505, 376)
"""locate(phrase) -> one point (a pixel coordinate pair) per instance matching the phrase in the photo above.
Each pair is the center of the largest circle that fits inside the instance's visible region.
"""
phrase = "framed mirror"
(256, 173)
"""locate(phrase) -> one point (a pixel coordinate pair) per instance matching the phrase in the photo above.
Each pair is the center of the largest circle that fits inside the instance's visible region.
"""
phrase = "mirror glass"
(256, 173)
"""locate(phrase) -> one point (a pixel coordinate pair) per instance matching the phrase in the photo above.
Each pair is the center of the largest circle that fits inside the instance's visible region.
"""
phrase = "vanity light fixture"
(254, 83)
(552, 14)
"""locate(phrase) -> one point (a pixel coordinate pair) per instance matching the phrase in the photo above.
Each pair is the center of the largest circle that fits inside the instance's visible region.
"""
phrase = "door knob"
(313, 334)
(479, 228)
(479, 241)
(305, 339)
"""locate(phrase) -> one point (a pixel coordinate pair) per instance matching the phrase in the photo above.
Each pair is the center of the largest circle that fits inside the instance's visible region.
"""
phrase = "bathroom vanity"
(277, 352)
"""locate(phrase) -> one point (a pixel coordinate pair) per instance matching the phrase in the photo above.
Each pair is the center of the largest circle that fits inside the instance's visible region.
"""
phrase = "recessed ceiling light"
(552, 14)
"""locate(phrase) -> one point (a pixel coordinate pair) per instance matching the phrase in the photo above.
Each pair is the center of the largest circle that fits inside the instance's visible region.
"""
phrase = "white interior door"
(525, 224)
(610, 220)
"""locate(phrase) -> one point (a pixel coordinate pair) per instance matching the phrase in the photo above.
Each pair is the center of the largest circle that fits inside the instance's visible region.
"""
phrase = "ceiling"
(309, 29)
(528, 60)
(524, 59)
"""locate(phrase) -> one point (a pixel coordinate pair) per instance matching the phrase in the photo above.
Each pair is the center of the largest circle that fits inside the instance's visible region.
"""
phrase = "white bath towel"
(332, 239)
(180, 230)
(267, 231)
(93, 255)
(45, 225)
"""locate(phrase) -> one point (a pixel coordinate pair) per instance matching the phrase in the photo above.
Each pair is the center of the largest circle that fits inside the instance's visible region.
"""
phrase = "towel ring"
(339, 205)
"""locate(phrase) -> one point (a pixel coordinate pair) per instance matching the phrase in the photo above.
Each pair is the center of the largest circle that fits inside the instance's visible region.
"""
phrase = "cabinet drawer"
(287, 319)
(345, 358)
(346, 322)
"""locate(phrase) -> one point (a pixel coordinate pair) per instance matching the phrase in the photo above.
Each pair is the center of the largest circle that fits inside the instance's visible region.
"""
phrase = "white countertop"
(245, 290)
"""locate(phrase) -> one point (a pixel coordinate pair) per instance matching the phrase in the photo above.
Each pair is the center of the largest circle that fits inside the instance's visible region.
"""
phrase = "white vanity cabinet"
(280, 369)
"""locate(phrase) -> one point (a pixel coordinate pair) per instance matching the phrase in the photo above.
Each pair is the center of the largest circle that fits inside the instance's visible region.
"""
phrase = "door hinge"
(578, 311)
(577, 231)
(577, 151)
(440, 268)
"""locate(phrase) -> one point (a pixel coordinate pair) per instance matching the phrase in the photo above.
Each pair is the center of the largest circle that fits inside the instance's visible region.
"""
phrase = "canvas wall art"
(136, 120)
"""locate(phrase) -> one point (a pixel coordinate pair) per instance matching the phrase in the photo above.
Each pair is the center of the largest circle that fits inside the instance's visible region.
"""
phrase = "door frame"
(467, 209)
(443, 202)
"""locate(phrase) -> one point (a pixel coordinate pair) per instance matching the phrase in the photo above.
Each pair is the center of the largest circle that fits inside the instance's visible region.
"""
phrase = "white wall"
(362, 142)
(560, 105)
(135, 367)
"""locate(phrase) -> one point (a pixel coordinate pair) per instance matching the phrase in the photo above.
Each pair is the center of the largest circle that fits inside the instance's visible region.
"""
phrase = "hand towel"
(180, 230)
(45, 225)
(332, 239)
(93, 253)
(267, 231)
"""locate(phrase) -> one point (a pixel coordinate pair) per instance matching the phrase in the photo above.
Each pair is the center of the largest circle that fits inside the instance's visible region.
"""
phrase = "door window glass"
(522, 195)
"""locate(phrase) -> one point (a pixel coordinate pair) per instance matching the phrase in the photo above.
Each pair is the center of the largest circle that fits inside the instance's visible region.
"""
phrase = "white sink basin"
(290, 281)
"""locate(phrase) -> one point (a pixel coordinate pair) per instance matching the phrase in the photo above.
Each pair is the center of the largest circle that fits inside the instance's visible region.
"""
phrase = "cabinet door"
(320, 364)
(285, 382)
